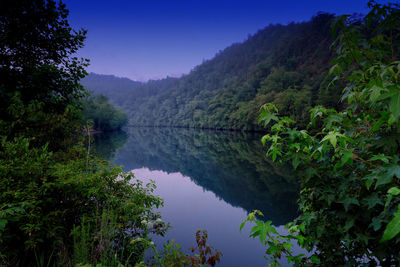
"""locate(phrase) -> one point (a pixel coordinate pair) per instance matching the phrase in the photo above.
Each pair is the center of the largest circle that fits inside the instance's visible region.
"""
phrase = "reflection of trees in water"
(107, 143)
(230, 164)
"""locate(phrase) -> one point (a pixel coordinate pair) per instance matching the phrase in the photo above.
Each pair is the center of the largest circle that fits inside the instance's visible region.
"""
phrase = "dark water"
(208, 180)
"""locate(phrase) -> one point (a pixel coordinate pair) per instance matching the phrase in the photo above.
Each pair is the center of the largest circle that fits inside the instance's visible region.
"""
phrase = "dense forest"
(283, 64)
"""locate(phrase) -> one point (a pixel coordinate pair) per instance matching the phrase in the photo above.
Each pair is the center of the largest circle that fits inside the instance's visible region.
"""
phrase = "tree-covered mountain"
(286, 65)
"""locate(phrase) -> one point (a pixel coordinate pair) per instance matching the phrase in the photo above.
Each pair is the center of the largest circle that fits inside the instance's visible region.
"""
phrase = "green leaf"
(266, 117)
(393, 227)
(264, 139)
(383, 179)
(347, 157)
(332, 137)
(242, 225)
(388, 200)
(381, 157)
(394, 170)
(262, 229)
(315, 259)
(394, 191)
(387, 177)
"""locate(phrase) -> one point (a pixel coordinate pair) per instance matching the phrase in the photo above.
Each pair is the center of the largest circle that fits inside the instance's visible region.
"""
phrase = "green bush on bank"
(104, 116)
(49, 185)
(43, 198)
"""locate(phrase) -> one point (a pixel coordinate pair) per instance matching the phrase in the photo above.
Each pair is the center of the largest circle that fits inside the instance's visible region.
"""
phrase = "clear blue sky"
(151, 39)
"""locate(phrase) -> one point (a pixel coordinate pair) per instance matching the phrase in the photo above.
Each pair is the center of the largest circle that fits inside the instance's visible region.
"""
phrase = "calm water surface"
(209, 180)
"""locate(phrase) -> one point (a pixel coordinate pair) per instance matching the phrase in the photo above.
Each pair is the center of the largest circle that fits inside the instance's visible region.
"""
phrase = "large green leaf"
(394, 191)
(262, 229)
(393, 227)
(332, 138)
(266, 117)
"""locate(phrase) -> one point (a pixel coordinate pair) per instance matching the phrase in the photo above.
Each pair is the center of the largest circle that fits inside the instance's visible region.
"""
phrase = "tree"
(50, 187)
(37, 68)
(349, 166)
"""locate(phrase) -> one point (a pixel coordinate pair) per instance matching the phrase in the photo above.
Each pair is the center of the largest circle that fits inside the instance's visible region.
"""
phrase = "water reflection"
(232, 165)
(106, 144)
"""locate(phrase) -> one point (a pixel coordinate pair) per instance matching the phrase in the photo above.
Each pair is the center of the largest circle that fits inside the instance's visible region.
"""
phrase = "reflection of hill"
(230, 164)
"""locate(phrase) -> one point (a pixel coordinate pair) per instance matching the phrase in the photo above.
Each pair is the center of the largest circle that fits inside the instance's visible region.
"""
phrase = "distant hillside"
(108, 85)
(287, 65)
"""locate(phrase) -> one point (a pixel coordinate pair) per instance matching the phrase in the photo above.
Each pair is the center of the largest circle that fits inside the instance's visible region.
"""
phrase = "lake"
(209, 180)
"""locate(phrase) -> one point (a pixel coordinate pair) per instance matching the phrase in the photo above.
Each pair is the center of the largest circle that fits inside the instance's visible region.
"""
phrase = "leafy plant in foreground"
(43, 198)
(348, 161)
(173, 255)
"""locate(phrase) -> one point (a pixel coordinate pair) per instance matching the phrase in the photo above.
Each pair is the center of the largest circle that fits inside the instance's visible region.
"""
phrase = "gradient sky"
(151, 39)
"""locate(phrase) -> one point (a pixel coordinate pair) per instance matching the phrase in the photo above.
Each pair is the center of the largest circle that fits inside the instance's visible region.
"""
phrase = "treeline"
(285, 65)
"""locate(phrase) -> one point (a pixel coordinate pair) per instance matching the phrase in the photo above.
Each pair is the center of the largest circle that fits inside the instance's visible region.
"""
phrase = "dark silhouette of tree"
(36, 64)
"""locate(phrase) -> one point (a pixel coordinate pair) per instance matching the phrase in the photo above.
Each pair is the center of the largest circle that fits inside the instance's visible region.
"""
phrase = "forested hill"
(119, 89)
(287, 65)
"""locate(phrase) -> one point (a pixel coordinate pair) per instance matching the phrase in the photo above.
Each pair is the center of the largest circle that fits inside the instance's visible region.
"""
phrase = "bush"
(42, 199)
(103, 114)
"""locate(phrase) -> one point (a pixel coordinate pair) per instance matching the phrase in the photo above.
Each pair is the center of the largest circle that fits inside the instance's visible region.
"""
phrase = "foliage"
(48, 183)
(103, 239)
(173, 255)
(42, 198)
(286, 65)
(279, 244)
(348, 160)
(36, 42)
(103, 114)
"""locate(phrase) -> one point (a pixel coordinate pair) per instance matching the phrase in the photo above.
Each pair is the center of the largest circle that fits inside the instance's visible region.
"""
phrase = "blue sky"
(151, 39)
